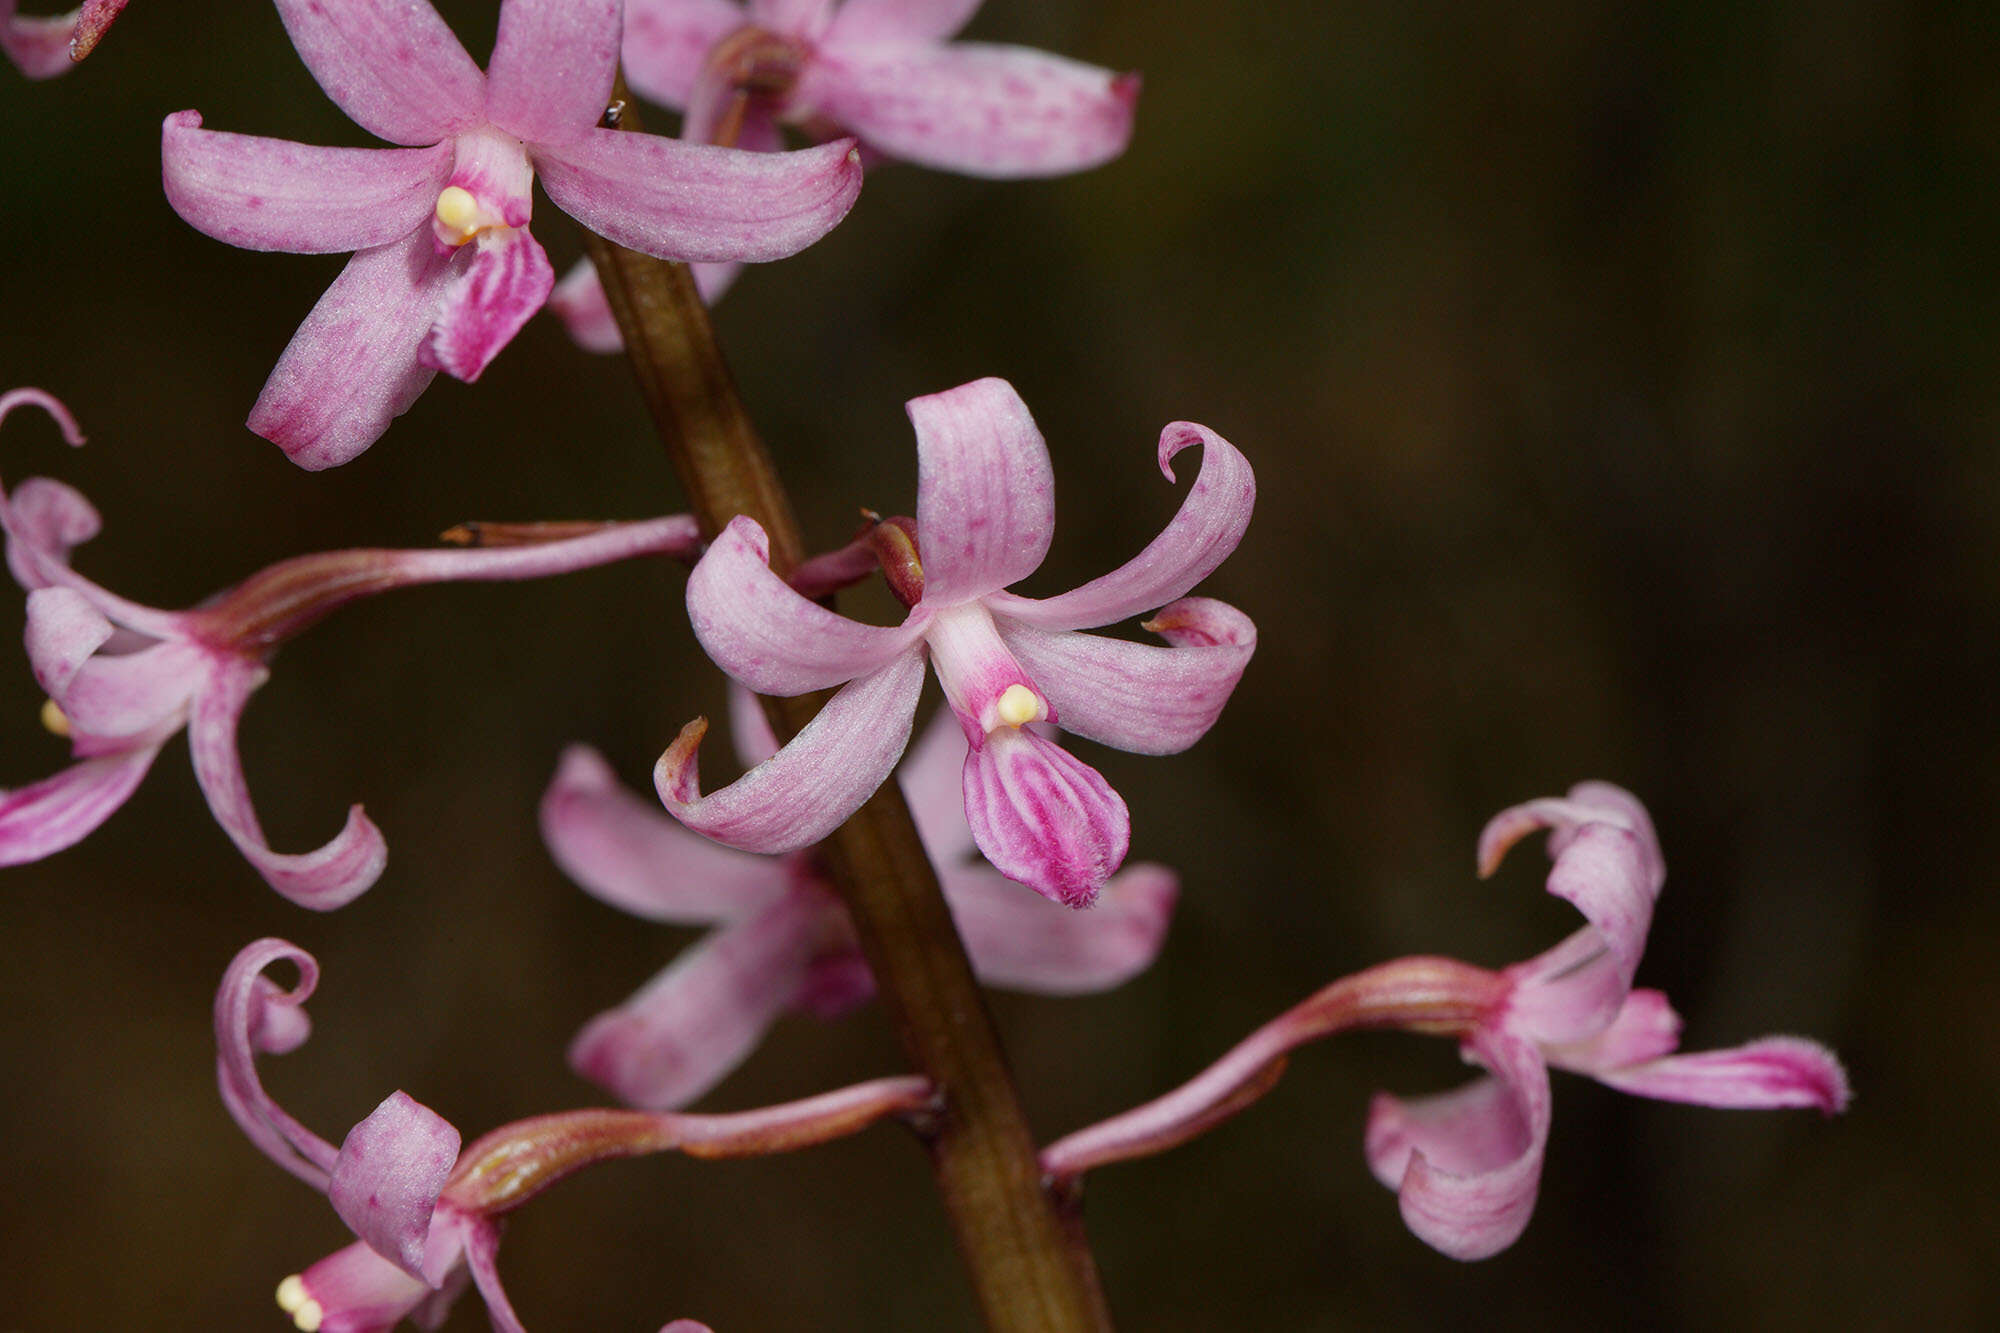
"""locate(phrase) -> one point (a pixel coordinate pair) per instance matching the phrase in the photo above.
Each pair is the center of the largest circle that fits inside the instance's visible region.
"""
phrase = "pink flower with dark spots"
(445, 271)
(985, 512)
(782, 940)
(123, 678)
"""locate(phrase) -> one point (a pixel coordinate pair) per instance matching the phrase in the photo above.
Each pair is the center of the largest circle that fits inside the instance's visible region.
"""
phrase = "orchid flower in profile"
(426, 1215)
(884, 71)
(123, 678)
(1467, 1164)
(783, 940)
(445, 271)
(42, 47)
(985, 511)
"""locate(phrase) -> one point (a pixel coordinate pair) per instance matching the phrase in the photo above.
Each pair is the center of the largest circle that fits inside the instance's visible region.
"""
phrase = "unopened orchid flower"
(445, 271)
(783, 940)
(42, 47)
(427, 1216)
(1467, 1164)
(123, 678)
(985, 511)
(885, 71)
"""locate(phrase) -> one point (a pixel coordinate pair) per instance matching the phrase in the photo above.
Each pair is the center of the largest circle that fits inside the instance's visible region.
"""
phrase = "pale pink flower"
(985, 511)
(123, 678)
(782, 939)
(445, 271)
(1467, 1164)
(885, 71)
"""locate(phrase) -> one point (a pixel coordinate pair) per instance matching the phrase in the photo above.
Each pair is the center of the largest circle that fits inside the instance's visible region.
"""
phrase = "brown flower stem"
(1030, 1273)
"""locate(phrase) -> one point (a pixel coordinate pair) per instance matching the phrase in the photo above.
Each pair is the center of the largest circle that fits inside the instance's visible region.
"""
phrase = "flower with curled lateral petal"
(985, 511)
(885, 71)
(782, 939)
(444, 271)
(1467, 1164)
(123, 678)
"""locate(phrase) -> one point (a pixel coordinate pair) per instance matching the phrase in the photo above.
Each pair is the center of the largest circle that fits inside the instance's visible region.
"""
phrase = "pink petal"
(701, 1017)
(579, 302)
(749, 728)
(60, 811)
(329, 877)
(353, 1289)
(976, 109)
(1210, 523)
(1645, 1028)
(803, 18)
(391, 65)
(386, 1180)
(553, 61)
(694, 202)
(1568, 994)
(272, 194)
(1043, 817)
(769, 637)
(253, 1016)
(1470, 1161)
(860, 23)
(932, 783)
(51, 519)
(1565, 817)
(496, 286)
(108, 699)
(482, 1244)
(1602, 873)
(37, 45)
(667, 42)
(1771, 1072)
(812, 785)
(985, 492)
(1024, 942)
(1135, 696)
(352, 367)
(626, 852)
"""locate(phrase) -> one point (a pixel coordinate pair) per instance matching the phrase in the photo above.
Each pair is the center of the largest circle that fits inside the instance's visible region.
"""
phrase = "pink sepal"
(1043, 817)
(770, 638)
(550, 74)
(497, 284)
(1467, 1165)
(1769, 1072)
(253, 1016)
(1019, 941)
(44, 817)
(352, 367)
(668, 41)
(273, 194)
(625, 852)
(1135, 696)
(329, 877)
(1207, 527)
(392, 65)
(1001, 112)
(578, 300)
(860, 23)
(810, 787)
(358, 1291)
(985, 490)
(387, 1177)
(701, 1017)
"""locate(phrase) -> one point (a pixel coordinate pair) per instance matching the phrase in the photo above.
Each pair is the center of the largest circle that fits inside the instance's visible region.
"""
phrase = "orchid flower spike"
(985, 510)
(43, 47)
(123, 678)
(783, 940)
(885, 71)
(445, 271)
(1467, 1164)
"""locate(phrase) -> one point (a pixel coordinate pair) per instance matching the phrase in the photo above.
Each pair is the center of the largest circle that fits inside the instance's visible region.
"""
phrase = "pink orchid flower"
(985, 510)
(445, 271)
(783, 940)
(1467, 1164)
(882, 70)
(123, 678)
(42, 47)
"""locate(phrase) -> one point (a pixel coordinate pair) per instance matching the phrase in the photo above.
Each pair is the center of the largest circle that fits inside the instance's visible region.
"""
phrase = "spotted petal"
(392, 65)
(985, 491)
(386, 1180)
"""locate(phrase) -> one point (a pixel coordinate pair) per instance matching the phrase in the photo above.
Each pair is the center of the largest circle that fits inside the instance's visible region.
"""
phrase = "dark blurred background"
(1621, 384)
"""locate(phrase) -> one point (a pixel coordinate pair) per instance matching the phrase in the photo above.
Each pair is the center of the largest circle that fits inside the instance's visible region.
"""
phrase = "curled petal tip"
(677, 773)
(49, 403)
